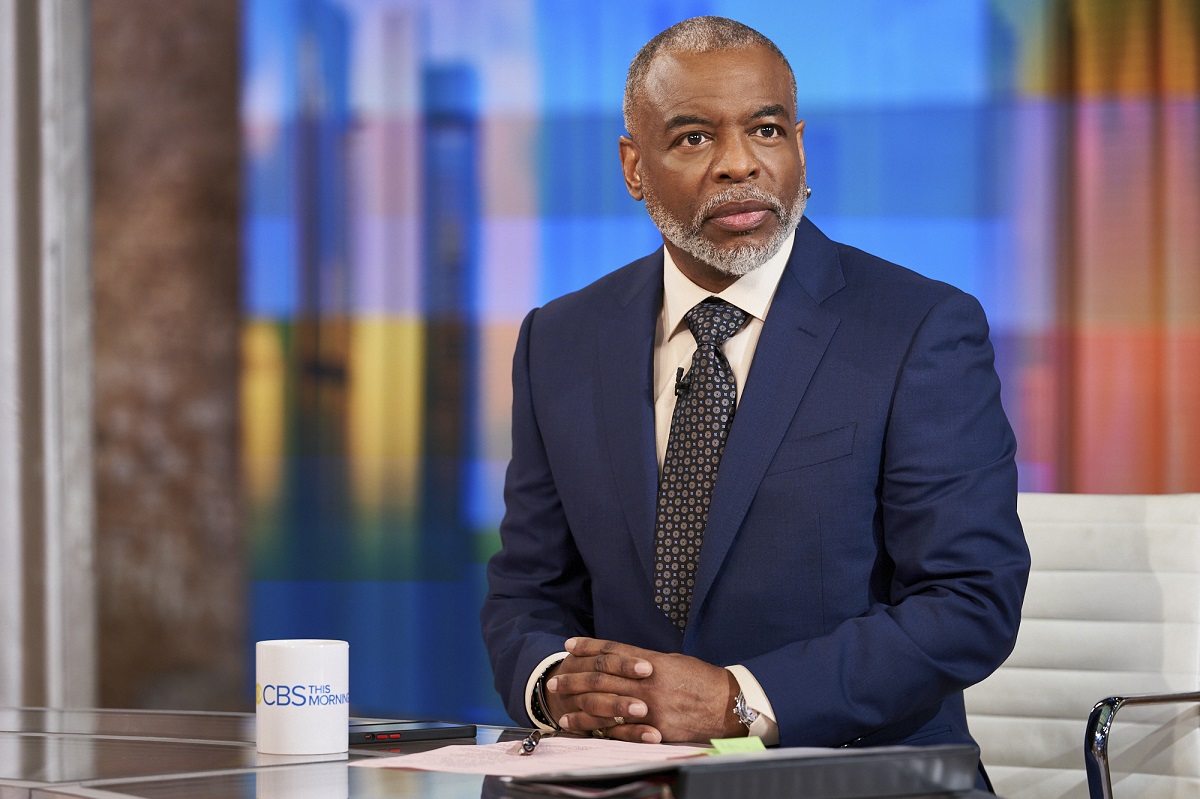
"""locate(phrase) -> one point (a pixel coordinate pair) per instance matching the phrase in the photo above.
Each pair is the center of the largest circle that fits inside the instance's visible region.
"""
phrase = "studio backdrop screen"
(421, 173)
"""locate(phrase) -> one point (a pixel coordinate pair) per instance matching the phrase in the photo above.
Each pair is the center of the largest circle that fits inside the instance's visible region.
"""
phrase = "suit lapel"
(794, 338)
(625, 356)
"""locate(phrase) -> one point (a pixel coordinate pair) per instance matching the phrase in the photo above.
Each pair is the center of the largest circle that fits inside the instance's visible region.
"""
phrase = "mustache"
(739, 194)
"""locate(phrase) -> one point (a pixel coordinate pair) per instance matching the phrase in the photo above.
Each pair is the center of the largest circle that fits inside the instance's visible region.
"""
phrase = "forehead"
(729, 82)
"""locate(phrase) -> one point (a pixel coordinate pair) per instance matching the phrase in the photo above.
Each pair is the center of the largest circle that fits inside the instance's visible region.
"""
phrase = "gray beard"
(737, 260)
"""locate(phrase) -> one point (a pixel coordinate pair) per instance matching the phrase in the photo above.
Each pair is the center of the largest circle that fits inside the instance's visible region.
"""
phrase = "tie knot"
(714, 320)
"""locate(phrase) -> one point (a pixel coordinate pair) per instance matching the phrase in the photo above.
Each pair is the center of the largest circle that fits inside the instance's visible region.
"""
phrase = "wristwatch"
(746, 714)
(538, 703)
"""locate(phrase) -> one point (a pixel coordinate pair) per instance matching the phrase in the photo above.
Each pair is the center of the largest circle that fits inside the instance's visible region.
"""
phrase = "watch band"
(538, 703)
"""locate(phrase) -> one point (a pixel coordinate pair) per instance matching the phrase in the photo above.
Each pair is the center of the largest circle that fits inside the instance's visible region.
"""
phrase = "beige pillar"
(47, 596)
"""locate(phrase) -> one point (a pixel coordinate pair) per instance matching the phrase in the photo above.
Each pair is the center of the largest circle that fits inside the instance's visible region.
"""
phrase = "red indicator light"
(395, 735)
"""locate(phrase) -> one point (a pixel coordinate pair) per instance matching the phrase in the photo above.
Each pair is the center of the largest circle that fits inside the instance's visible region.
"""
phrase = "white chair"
(1113, 610)
(1099, 730)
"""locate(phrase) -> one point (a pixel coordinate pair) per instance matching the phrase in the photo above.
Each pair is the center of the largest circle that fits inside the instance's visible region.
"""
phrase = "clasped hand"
(660, 697)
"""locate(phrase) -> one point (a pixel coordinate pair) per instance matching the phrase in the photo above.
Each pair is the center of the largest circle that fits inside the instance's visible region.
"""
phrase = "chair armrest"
(1095, 739)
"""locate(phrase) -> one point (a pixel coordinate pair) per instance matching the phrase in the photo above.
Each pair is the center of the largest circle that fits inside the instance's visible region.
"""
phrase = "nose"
(734, 160)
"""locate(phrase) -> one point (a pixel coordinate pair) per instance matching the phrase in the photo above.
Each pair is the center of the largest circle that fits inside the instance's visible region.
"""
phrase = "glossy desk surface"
(311, 781)
(107, 754)
(232, 727)
(54, 752)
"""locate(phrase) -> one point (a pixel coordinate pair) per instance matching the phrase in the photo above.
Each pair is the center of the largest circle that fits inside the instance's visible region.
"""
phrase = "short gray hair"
(695, 35)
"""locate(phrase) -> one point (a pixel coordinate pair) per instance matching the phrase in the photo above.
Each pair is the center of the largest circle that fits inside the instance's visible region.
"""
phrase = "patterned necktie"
(703, 411)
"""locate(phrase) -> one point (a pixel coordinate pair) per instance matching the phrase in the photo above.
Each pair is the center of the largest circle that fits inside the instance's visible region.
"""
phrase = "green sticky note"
(732, 746)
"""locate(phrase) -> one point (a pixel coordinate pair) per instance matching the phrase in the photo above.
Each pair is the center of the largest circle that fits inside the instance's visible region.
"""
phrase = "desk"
(309, 781)
(104, 754)
(48, 750)
(230, 727)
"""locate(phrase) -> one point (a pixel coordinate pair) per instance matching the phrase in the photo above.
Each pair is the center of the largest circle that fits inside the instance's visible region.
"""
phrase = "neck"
(706, 276)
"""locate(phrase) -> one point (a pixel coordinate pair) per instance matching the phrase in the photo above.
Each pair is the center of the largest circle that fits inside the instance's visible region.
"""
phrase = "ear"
(630, 160)
(800, 142)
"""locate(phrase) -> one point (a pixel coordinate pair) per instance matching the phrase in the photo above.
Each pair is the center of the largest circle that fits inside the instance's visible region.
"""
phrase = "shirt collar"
(752, 292)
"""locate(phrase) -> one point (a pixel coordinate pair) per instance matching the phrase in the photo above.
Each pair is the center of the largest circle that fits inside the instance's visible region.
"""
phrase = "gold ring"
(619, 719)
(598, 734)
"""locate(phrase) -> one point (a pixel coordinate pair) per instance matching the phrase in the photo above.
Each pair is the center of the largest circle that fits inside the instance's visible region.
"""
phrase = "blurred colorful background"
(420, 173)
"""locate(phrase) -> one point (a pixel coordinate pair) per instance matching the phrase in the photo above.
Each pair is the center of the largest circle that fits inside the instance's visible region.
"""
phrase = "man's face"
(718, 158)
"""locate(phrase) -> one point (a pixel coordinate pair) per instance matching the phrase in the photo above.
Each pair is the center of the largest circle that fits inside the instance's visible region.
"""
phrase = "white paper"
(553, 755)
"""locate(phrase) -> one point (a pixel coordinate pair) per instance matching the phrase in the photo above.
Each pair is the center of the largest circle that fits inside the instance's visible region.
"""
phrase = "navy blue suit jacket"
(863, 556)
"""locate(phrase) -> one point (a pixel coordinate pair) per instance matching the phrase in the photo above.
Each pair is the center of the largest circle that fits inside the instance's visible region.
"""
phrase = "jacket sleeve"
(539, 593)
(953, 544)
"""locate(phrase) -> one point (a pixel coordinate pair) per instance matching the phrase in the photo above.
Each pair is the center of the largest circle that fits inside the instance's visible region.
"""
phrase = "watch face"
(746, 715)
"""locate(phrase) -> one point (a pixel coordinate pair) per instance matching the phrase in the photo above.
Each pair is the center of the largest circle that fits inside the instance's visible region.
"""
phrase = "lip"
(740, 216)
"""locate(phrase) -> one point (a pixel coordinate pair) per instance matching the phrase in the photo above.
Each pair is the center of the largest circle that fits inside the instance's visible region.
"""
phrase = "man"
(857, 560)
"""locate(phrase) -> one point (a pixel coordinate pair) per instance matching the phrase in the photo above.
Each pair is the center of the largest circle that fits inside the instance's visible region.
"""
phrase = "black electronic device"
(394, 731)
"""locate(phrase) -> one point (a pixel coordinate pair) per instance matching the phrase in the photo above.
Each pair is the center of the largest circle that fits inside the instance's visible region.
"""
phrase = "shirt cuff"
(764, 726)
(531, 684)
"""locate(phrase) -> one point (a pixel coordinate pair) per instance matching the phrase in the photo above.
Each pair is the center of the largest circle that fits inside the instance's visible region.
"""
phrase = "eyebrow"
(687, 120)
(773, 110)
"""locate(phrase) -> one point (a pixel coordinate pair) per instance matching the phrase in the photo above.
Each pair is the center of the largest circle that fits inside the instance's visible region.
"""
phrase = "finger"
(613, 707)
(573, 664)
(582, 721)
(591, 682)
(637, 733)
(612, 657)
(583, 646)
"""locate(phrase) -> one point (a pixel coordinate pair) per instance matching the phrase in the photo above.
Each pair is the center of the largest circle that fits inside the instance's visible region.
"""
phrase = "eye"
(768, 131)
(693, 139)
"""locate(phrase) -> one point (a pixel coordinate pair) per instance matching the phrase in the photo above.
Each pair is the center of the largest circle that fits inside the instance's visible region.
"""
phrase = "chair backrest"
(1113, 607)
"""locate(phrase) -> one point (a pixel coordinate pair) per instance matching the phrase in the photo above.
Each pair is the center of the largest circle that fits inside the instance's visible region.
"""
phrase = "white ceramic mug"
(302, 696)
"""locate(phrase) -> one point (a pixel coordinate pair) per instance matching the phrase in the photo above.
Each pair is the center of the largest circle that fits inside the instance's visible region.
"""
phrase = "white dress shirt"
(673, 349)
